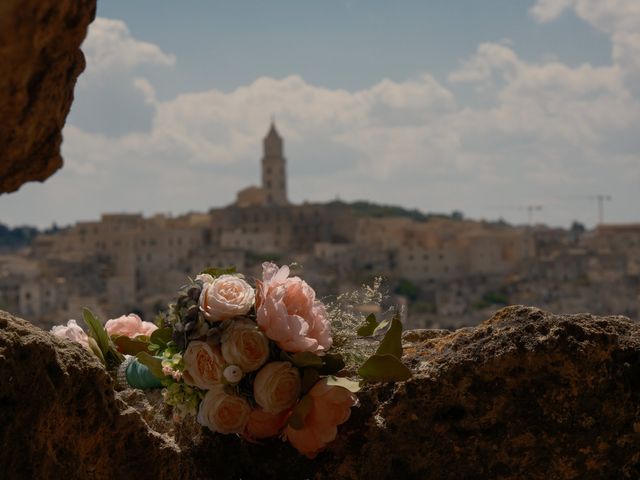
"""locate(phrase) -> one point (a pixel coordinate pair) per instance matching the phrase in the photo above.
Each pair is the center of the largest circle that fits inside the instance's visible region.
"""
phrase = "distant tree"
(457, 215)
(16, 237)
(407, 289)
(577, 227)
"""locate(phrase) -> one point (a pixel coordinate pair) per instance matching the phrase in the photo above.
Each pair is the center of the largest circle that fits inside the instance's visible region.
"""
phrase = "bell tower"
(274, 175)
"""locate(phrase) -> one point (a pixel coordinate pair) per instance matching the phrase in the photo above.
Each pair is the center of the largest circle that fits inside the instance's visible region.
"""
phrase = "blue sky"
(484, 107)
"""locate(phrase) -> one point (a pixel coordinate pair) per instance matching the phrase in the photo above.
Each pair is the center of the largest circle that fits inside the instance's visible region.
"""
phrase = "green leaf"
(300, 412)
(161, 337)
(284, 356)
(217, 272)
(368, 327)
(353, 387)
(96, 350)
(153, 363)
(96, 330)
(310, 377)
(306, 359)
(381, 327)
(391, 344)
(384, 368)
(331, 363)
(131, 346)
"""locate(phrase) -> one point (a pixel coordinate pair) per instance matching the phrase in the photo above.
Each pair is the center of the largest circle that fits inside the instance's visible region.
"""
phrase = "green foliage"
(385, 364)
(391, 343)
(300, 412)
(309, 378)
(131, 346)
(218, 272)
(306, 359)
(110, 356)
(154, 364)
(384, 368)
(368, 209)
(326, 365)
(368, 327)
(353, 387)
(16, 237)
(491, 298)
(408, 289)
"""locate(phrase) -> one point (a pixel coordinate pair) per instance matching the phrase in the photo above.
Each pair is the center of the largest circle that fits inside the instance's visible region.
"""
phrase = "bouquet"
(255, 361)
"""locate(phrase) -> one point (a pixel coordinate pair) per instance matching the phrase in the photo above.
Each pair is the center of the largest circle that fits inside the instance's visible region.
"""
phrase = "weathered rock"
(40, 59)
(527, 394)
(61, 418)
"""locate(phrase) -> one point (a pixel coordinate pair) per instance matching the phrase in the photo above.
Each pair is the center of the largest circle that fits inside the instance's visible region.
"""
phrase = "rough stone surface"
(40, 59)
(61, 418)
(527, 394)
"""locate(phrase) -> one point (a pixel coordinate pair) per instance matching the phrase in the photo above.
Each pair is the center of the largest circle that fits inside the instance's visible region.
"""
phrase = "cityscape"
(444, 270)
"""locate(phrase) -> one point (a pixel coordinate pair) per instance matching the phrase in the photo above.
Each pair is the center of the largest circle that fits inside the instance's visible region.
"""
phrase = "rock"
(40, 59)
(526, 394)
(61, 418)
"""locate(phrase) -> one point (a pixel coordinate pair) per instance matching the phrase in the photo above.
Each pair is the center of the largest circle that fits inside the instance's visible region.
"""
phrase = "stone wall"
(526, 394)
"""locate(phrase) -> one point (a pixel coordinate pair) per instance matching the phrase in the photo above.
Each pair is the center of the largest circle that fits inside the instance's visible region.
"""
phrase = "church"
(273, 191)
(262, 219)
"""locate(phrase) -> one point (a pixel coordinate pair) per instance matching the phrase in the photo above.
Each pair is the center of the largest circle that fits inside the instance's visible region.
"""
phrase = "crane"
(530, 209)
(600, 199)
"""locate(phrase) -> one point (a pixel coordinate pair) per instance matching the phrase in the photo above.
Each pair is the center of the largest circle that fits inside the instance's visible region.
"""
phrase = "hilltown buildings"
(452, 270)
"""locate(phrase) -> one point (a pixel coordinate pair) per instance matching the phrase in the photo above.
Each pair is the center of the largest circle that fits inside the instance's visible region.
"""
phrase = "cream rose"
(203, 365)
(289, 314)
(223, 413)
(331, 406)
(72, 331)
(227, 296)
(129, 326)
(277, 387)
(244, 345)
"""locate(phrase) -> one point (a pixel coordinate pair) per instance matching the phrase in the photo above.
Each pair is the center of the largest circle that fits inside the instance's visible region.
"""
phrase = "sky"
(483, 107)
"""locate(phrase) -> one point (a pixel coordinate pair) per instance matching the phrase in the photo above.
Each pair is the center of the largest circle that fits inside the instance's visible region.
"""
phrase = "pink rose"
(277, 387)
(264, 425)
(129, 326)
(72, 331)
(223, 413)
(244, 345)
(225, 297)
(289, 314)
(203, 365)
(331, 407)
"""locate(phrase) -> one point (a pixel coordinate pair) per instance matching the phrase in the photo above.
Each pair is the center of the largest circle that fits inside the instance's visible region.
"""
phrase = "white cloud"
(109, 46)
(548, 128)
(619, 19)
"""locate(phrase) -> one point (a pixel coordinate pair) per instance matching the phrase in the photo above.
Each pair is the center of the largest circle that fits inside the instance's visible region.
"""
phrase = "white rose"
(205, 278)
(226, 297)
(277, 387)
(71, 331)
(223, 413)
(244, 345)
(203, 365)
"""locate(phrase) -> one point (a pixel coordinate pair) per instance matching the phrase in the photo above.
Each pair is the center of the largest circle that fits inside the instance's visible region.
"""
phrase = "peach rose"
(264, 425)
(277, 387)
(203, 365)
(289, 314)
(244, 345)
(331, 407)
(223, 413)
(226, 297)
(72, 331)
(129, 326)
